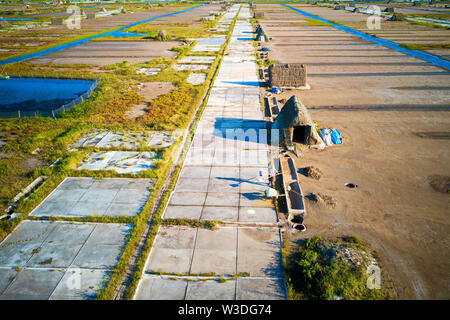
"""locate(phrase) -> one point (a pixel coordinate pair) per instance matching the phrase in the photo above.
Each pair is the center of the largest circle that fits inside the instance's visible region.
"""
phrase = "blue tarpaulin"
(335, 136)
(275, 90)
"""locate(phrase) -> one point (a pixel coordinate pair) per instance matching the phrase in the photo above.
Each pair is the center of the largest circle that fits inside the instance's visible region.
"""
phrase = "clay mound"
(322, 199)
(312, 172)
(440, 183)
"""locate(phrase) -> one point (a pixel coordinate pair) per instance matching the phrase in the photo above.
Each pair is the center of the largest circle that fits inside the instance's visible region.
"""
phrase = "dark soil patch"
(440, 183)
(320, 198)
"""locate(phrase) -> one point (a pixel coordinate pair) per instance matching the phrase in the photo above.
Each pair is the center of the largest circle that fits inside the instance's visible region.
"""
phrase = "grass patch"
(316, 270)
(425, 46)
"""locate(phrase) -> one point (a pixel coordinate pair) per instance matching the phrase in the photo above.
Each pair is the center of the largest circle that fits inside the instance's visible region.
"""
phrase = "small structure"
(162, 35)
(260, 33)
(287, 75)
(57, 21)
(296, 125)
(339, 7)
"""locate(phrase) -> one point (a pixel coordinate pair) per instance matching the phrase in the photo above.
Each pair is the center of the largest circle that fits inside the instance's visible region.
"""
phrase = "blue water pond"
(31, 95)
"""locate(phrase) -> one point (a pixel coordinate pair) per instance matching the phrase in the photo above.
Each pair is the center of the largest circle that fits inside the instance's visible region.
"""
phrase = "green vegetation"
(317, 270)
(314, 23)
(207, 224)
(425, 46)
(429, 24)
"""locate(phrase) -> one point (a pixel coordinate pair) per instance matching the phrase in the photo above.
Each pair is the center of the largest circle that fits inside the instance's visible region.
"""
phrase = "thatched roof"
(293, 114)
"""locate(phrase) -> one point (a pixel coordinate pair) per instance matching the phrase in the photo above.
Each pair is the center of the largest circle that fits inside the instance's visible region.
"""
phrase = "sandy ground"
(394, 209)
(149, 91)
(344, 70)
(410, 31)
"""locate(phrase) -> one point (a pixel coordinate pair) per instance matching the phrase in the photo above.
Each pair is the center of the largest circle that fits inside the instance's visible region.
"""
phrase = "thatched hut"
(296, 125)
(287, 75)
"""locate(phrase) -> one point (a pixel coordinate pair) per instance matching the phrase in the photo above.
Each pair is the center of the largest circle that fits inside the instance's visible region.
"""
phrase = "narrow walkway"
(224, 177)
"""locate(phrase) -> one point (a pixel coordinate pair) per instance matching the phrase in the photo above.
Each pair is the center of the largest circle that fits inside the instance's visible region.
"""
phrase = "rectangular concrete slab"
(260, 289)
(215, 251)
(257, 214)
(259, 252)
(187, 198)
(228, 199)
(32, 284)
(79, 284)
(226, 214)
(6, 277)
(195, 172)
(196, 78)
(119, 161)
(180, 212)
(211, 290)
(158, 288)
(172, 250)
(101, 197)
(45, 250)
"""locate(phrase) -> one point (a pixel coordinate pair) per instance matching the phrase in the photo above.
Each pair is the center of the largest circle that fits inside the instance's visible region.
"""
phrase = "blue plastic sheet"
(275, 90)
(335, 136)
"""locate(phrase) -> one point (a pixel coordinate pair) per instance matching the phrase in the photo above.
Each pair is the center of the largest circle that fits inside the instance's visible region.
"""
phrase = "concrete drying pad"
(119, 161)
(58, 260)
(197, 59)
(153, 287)
(222, 193)
(85, 197)
(209, 45)
(192, 67)
(149, 71)
(127, 140)
(223, 251)
(196, 78)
